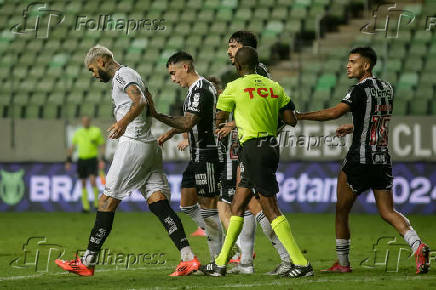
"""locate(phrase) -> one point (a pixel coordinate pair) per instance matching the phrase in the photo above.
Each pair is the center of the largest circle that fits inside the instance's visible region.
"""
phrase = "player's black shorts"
(228, 180)
(362, 177)
(258, 162)
(87, 167)
(204, 176)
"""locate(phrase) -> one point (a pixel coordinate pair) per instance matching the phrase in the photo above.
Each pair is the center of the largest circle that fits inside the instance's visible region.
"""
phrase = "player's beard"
(104, 76)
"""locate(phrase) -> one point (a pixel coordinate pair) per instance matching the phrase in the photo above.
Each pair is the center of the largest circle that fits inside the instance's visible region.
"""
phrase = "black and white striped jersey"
(371, 102)
(262, 70)
(201, 100)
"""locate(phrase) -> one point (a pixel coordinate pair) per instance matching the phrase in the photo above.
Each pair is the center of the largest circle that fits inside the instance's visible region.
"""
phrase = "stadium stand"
(46, 78)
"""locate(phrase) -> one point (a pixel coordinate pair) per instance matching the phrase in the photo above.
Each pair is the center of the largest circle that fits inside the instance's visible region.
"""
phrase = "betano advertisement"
(308, 187)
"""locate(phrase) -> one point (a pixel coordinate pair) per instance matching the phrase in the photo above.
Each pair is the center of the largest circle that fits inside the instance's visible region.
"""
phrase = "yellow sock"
(235, 227)
(282, 229)
(85, 202)
(95, 188)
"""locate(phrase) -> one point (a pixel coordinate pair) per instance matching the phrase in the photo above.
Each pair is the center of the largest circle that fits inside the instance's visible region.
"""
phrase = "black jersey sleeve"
(354, 97)
(199, 101)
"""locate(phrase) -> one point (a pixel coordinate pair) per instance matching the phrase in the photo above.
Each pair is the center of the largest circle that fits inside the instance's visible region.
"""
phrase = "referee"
(87, 140)
(255, 102)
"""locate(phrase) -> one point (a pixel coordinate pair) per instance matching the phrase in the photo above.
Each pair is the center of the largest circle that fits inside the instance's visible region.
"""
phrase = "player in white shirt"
(137, 164)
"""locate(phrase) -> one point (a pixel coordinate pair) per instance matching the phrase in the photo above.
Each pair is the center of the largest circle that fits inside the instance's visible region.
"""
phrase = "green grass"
(142, 233)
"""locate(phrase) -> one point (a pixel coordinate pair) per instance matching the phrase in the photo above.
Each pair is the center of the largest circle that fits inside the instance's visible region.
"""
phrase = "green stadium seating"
(419, 107)
(400, 107)
(408, 79)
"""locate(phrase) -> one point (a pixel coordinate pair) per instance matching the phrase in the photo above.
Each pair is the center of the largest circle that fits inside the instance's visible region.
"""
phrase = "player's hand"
(345, 129)
(164, 137)
(67, 166)
(117, 130)
(225, 129)
(150, 103)
(183, 144)
(298, 115)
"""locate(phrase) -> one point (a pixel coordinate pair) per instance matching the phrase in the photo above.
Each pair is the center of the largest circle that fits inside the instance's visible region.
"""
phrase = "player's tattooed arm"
(325, 115)
(135, 94)
(180, 123)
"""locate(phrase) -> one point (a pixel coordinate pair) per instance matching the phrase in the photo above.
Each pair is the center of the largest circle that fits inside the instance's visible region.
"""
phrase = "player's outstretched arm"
(182, 123)
(325, 115)
(135, 94)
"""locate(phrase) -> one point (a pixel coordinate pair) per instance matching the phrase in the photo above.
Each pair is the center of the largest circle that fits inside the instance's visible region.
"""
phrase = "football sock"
(194, 212)
(171, 222)
(282, 229)
(95, 189)
(213, 230)
(186, 254)
(99, 233)
(235, 227)
(85, 202)
(246, 238)
(271, 235)
(411, 237)
(342, 251)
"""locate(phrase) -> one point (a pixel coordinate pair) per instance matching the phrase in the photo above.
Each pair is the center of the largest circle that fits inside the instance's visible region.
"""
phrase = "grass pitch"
(140, 238)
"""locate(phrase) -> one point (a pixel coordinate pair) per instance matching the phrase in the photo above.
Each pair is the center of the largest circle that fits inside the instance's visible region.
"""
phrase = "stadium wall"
(410, 139)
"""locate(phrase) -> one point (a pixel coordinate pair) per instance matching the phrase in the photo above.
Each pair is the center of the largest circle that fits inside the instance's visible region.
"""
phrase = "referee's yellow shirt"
(87, 141)
(255, 102)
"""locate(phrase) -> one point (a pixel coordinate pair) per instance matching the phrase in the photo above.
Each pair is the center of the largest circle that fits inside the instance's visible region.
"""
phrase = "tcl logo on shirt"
(262, 92)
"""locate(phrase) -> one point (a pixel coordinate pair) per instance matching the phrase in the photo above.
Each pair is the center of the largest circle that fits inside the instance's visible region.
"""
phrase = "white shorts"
(136, 165)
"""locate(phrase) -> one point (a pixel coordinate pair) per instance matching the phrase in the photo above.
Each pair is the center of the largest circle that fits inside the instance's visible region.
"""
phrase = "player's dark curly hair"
(368, 53)
(246, 38)
(179, 56)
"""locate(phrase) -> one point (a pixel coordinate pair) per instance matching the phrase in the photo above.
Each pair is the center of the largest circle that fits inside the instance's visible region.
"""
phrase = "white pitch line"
(12, 278)
(287, 281)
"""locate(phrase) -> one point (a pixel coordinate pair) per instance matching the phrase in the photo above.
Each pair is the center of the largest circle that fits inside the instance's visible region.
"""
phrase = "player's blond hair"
(98, 51)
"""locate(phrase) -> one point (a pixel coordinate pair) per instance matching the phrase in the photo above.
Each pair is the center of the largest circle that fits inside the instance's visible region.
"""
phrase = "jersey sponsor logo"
(201, 179)
(119, 79)
(262, 92)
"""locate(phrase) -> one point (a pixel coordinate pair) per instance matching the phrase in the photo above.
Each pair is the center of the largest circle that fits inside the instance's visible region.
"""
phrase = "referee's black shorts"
(258, 162)
(87, 167)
